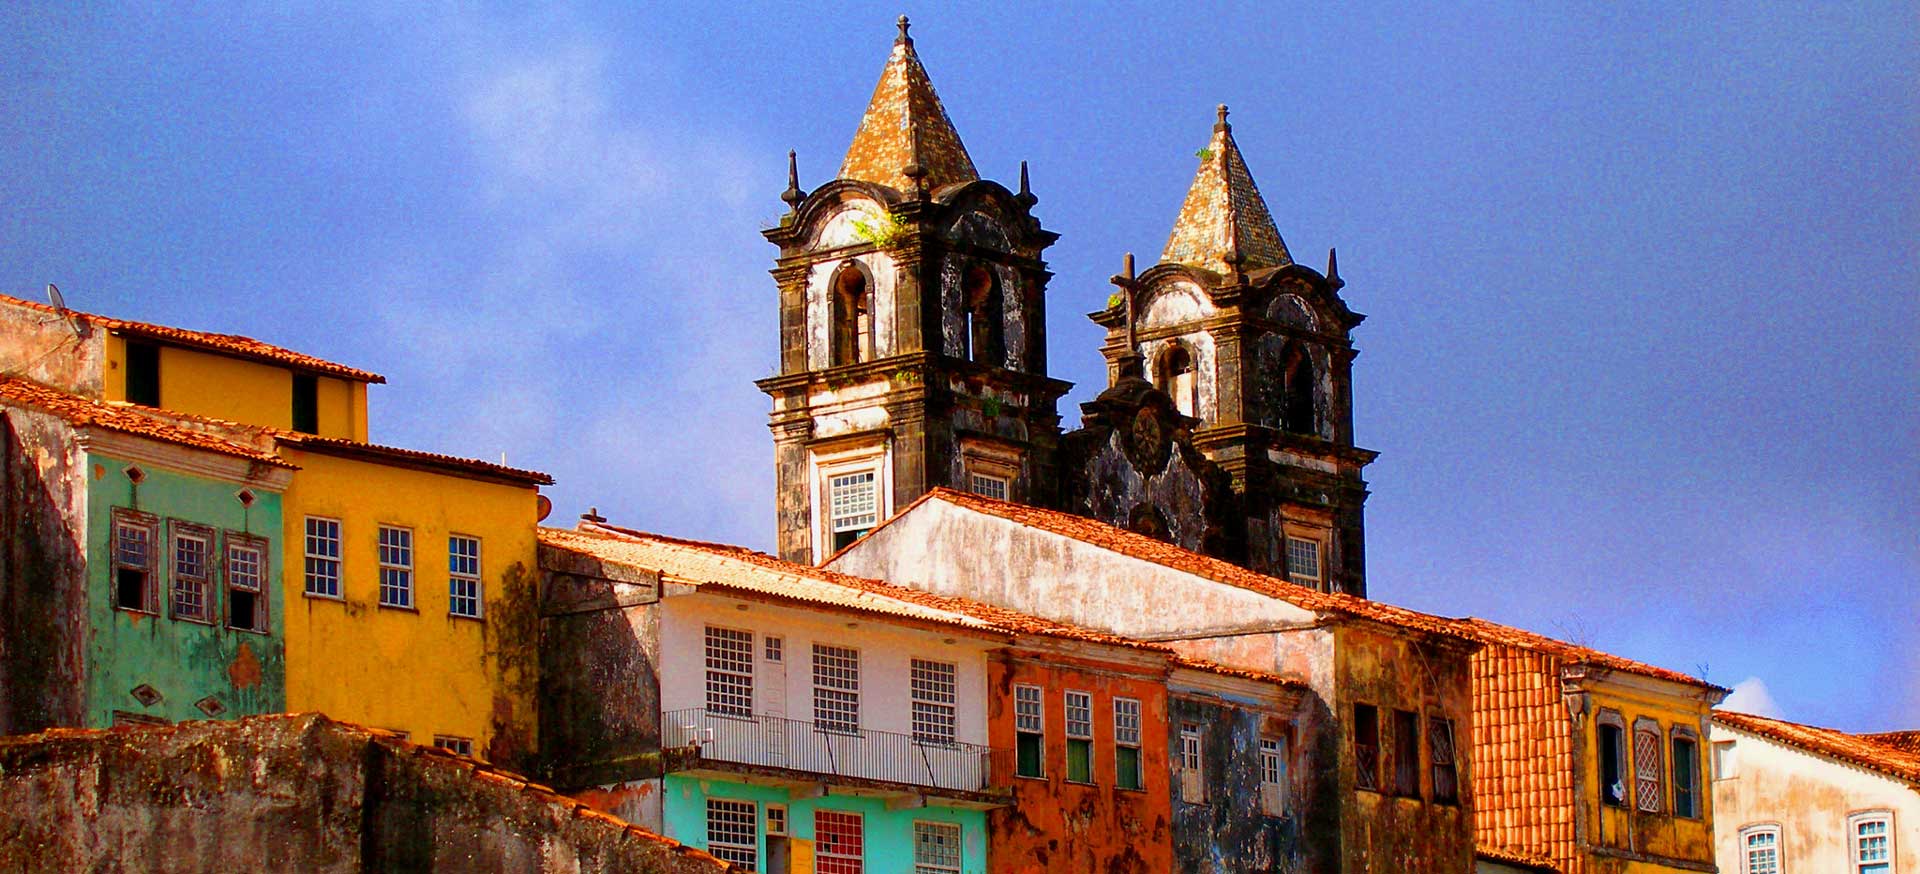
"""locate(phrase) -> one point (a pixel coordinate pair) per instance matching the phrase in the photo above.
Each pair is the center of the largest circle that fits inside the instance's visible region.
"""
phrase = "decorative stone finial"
(793, 195)
(1333, 269)
(592, 515)
(1026, 197)
(1221, 124)
(903, 38)
(1130, 362)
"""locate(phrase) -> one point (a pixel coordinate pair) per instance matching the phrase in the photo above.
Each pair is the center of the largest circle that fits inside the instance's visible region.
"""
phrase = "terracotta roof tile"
(904, 114)
(228, 344)
(737, 568)
(414, 457)
(1224, 213)
(1168, 555)
(1519, 858)
(1495, 633)
(1522, 754)
(1905, 741)
(1213, 667)
(212, 435)
(1893, 758)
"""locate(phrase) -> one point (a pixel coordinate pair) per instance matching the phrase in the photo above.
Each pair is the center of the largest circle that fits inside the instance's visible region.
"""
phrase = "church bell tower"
(912, 328)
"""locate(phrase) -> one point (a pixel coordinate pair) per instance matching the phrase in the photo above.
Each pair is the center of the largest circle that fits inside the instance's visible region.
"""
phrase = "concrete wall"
(293, 793)
(45, 347)
(186, 661)
(1809, 797)
(43, 589)
(1055, 825)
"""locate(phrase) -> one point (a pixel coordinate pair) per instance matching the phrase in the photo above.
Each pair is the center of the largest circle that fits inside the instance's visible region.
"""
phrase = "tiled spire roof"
(1224, 214)
(906, 131)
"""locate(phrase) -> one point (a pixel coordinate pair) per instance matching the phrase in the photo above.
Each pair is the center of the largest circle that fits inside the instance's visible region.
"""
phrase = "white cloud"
(1751, 696)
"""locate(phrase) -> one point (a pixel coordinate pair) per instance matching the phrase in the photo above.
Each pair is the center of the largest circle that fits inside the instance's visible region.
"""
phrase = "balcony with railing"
(867, 755)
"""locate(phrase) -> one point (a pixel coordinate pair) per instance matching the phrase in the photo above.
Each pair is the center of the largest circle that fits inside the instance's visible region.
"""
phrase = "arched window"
(1174, 375)
(984, 321)
(852, 316)
(1298, 413)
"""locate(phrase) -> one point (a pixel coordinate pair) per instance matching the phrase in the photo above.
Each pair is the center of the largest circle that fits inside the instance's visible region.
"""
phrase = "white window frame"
(1273, 775)
(1891, 858)
(1030, 717)
(990, 486)
(729, 671)
(394, 550)
(1193, 788)
(1747, 850)
(836, 689)
(774, 648)
(729, 820)
(129, 527)
(862, 516)
(776, 820)
(187, 583)
(935, 686)
(871, 456)
(463, 585)
(1077, 710)
(236, 578)
(454, 743)
(937, 861)
(826, 861)
(1319, 554)
(329, 581)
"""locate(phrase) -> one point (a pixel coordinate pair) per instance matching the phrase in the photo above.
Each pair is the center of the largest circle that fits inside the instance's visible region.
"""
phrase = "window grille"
(246, 584)
(1126, 742)
(463, 576)
(1872, 843)
(396, 567)
(1027, 708)
(731, 833)
(854, 505)
(987, 486)
(729, 672)
(1273, 776)
(1761, 851)
(838, 843)
(1446, 775)
(190, 559)
(836, 688)
(323, 557)
(933, 701)
(1646, 767)
(936, 848)
(1029, 722)
(1079, 713)
(1303, 559)
(776, 648)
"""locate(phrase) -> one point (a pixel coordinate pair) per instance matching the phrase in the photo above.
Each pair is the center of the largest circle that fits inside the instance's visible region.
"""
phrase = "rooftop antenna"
(59, 303)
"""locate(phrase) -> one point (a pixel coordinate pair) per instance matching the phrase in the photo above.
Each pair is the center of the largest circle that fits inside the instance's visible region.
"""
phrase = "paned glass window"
(838, 844)
(1273, 775)
(323, 557)
(1646, 766)
(1190, 746)
(776, 648)
(246, 584)
(853, 506)
(836, 688)
(987, 486)
(133, 562)
(729, 672)
(463, 576)
(933, 701)
(454, 744)
(1872, 843)
(1029, 710)
(396, 567)
(731, 832)
(1079, 714)
(1126, 743)
(191, 552)
(1760, 850)
(936, 848)
(1303, 560)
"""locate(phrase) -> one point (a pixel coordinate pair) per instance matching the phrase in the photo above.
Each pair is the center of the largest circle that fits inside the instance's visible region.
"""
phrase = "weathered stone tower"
(1258, 349)
(912, 328)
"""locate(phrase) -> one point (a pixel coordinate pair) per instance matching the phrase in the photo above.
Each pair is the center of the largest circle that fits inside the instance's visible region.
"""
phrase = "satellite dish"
(59, 303)
(53, 297)
(545, 508)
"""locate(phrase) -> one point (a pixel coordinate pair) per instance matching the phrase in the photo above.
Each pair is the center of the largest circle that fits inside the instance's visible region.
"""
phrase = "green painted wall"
(888, 833)
(185, 661)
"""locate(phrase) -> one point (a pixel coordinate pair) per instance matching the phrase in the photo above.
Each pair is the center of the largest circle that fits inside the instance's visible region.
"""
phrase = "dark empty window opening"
(143, 373)
(134, 557)
(1175, 377)
(306, 403)
(1446, 778)
(1613, 788)
(1297, 412)
(1366, 747)
(852, 317)
(1406, 753)
(984, 317)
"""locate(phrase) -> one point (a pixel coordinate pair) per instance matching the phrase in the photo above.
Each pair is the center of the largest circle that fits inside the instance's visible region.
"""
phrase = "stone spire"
(906, 127)
(1224, 225)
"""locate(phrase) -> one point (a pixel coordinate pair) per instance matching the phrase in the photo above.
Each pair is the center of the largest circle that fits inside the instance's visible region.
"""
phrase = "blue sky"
(1643, 284)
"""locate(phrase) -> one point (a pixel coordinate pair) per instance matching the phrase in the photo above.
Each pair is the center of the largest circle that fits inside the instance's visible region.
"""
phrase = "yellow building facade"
(411, 595)
(223, 386)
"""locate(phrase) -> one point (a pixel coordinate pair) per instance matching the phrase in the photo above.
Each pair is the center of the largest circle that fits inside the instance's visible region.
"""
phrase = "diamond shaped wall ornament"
(246, 497)
(211, 706)
(134, 473)
(146, 695)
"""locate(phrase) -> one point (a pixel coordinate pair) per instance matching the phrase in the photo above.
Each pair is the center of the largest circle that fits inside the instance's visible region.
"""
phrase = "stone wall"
(295, 793)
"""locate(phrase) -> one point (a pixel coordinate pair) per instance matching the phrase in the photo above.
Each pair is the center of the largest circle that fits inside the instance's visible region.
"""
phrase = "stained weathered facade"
(912, 313)
(1258, 350)
(1235, 781)
(295, 793)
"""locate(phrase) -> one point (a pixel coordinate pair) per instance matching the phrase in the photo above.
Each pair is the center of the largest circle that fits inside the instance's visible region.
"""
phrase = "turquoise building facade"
(889, 833)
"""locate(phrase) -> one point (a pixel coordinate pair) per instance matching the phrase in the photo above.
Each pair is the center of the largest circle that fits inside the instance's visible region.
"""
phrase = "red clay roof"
(226, 344)
(742, 569)
(1905, 741)
(1516, 858)
(1230, 671)
(212, 435)
(412, 458)
(1168, 555)
(1507, 635)
(1890, 758)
